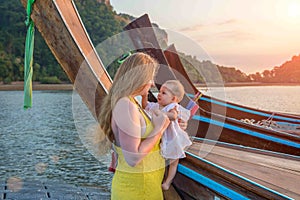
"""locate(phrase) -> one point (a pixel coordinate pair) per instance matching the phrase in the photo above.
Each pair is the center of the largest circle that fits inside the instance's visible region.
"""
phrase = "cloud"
(235, 35)
(203, 26)
(228, 30)
(192, 28)
(227, 22)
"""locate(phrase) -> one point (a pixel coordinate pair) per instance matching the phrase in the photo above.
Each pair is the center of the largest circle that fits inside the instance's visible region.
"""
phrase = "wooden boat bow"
(60, 25)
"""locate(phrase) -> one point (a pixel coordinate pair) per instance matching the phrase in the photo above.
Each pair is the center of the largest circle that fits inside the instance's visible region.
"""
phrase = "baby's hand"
(183, 124)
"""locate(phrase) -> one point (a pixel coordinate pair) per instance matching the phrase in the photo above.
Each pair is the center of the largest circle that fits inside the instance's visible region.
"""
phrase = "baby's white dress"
(174, 140)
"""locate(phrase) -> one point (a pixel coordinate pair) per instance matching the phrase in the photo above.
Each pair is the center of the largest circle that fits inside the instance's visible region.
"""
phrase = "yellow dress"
(142, 181)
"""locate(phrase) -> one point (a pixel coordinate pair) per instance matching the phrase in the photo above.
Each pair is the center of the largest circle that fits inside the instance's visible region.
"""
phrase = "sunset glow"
(251, 35)
(294, 10)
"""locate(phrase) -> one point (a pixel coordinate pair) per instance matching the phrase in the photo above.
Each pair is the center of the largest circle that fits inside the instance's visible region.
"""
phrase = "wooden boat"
(60, 25)
(233, 110)
(225, 171)
(62, 29)
(206, 124)
(205, 102)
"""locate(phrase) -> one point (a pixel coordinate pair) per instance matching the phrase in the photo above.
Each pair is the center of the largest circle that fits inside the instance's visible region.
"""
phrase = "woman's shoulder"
(125, 105)
(125, 101)
(125, 109)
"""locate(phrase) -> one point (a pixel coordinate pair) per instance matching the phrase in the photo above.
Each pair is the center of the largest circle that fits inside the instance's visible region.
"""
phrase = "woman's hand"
(183, 124)
(129, 129)
(160, 121)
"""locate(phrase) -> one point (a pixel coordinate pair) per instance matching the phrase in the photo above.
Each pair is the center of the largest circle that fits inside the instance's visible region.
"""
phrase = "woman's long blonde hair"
(132, 76)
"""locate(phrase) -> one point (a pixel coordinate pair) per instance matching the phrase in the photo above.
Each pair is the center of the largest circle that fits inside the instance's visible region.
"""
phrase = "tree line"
(102, 22)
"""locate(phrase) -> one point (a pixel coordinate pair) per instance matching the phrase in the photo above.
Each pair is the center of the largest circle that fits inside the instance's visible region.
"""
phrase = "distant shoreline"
(19, 86)
(241, 84)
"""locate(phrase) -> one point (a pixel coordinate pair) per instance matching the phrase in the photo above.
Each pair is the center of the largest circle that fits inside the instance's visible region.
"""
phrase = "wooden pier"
(38, 190)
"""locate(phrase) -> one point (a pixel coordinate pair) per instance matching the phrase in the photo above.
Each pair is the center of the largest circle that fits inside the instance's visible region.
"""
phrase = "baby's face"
(165, 96)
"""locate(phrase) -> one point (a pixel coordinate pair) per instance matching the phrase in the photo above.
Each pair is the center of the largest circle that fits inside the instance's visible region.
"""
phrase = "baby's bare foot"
(165, 186)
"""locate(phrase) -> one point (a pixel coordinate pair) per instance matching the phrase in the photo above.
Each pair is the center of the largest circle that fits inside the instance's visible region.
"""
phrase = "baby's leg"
(171, 174)
(113, 164)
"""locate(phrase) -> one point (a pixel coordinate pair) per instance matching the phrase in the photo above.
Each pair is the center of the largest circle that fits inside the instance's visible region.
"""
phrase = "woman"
(135, 135)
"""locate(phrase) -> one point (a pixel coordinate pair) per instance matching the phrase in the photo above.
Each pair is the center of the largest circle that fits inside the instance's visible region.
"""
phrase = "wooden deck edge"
(171, 194)
(15, 188)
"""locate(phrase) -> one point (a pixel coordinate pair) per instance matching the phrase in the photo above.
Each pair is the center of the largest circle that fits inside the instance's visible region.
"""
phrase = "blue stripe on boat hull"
(220, 188)
(211, 184)
(245, 147)
(246, 131)
(247, 110)
(250, 111)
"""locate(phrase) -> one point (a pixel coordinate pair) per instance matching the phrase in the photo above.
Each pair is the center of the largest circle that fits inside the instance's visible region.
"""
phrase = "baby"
(174, 140)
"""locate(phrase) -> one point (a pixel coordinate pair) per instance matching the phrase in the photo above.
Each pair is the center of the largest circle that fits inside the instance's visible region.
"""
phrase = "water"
(44, 143)
(272, 98)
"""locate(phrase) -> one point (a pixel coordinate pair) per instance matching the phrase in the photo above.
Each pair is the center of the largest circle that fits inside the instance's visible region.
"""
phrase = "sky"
(250, 35)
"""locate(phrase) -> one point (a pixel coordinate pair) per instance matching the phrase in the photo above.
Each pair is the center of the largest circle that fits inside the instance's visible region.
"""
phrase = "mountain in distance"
(101, 22)
(287, 73)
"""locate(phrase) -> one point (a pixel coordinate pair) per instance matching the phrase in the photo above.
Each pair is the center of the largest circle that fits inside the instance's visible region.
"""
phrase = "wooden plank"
(194, 190)
(95, 193)
(276, 173)
(75, 26)
(16, 188)
(27, 189)
(270, 161)
(171, 194)
(61, 27)
(2, 189)
(92, 81)
(277, 178)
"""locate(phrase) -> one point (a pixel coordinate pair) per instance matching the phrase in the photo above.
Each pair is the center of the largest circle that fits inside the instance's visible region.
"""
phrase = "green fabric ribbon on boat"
(124, 57)
(28, 59)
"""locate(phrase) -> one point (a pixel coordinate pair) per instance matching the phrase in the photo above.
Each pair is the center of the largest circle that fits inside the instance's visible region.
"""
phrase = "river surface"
(45, 142)
(272, 98)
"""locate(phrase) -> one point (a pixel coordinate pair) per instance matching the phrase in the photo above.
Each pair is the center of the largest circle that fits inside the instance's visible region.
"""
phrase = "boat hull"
(220, 170)
(216, 126)
(63, 31)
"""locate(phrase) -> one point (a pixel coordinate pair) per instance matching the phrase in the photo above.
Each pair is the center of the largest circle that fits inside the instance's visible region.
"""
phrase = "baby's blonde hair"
(176, 88)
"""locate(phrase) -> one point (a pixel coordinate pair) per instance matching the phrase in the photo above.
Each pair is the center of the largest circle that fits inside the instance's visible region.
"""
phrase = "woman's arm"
(128, 121)
(172, 114)
(144, 101)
